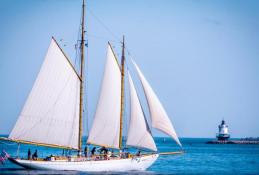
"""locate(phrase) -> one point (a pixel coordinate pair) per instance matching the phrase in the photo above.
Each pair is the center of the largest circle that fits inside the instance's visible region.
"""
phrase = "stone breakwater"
(233, 142)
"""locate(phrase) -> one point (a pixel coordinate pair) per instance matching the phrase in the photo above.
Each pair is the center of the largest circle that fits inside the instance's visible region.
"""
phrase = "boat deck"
(98, 157)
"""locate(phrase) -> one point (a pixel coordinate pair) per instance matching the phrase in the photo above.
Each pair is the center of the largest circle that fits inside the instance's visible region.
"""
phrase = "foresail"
(139, 134)
(106, 124)
(51, 113)
(159, 117)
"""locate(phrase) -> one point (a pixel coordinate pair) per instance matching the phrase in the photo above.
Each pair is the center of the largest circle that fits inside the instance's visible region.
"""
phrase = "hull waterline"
(130, 164)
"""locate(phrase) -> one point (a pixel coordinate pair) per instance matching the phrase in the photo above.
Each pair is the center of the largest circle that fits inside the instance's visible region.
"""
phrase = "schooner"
(52, 115)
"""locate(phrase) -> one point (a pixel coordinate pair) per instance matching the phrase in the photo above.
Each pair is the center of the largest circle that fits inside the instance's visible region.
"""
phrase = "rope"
(86, 90)
(102, 38)
(127, 100)
(109, 31)
(77, 42)
(105, 26)
(116, 39)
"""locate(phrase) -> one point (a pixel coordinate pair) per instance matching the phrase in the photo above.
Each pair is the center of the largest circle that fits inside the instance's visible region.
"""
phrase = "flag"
(3, 156)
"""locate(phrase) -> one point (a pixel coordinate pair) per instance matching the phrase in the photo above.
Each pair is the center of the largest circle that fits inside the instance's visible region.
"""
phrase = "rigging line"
(86, 89)
(127, 97)
(105, 26)
(129, 53)
(77, 43)
(127, 64)
(107, 29)
(101, 38)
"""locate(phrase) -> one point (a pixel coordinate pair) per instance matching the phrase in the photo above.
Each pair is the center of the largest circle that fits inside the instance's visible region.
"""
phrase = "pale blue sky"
(201, 57)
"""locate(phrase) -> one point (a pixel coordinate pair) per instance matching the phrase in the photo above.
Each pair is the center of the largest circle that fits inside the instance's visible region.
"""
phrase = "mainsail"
(159, 117)
(51, 113)
(139, 133)
(106, 124)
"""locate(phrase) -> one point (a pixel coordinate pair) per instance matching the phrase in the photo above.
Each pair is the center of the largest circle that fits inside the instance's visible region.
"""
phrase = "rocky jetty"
(239, 141)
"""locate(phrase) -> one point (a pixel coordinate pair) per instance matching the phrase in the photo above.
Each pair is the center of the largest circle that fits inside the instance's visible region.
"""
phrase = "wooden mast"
(82, 45)
(122, 91)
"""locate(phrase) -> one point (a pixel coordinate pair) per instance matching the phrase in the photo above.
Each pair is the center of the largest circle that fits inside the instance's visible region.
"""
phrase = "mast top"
(123, 50)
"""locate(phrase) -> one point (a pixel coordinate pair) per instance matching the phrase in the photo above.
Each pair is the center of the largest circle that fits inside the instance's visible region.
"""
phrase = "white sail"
(51, 112)
(106, 124)
(139, 133)
(159, 117)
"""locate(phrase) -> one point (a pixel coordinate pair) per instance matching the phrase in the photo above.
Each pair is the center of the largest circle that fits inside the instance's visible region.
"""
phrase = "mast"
(82, 78)
(122, 91)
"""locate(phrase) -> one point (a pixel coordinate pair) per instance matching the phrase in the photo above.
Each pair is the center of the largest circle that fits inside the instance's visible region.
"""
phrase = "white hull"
(130, 164)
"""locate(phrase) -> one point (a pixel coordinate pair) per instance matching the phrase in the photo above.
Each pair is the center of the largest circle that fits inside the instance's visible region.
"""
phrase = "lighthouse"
(223, 131)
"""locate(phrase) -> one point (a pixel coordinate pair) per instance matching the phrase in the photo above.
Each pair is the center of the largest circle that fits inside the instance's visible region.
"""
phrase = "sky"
(201, 57)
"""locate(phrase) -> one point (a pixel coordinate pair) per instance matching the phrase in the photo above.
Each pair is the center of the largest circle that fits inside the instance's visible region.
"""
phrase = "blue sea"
(199, 158)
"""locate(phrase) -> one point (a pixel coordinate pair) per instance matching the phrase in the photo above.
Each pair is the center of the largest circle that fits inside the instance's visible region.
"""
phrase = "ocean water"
(199, 158)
